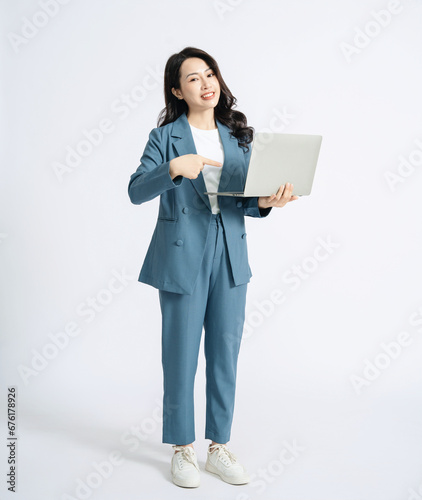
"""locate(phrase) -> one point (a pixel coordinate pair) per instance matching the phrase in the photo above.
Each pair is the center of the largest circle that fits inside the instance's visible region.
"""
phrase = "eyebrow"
(190, 74)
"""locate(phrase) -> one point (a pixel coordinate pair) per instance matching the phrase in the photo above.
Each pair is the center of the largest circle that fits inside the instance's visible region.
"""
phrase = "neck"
(202, 119)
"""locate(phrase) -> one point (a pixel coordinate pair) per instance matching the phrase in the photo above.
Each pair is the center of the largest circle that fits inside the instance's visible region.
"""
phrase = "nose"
(205, 82)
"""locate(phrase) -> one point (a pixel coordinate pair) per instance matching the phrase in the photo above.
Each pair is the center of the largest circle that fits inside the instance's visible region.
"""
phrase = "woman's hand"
(190, 165)
(283, 196)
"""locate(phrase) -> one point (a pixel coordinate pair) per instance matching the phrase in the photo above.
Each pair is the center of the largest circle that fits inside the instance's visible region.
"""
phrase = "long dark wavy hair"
(235, 120)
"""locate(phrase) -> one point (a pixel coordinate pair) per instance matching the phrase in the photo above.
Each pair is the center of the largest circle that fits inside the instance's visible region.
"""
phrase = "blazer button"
(185, 210)
(244, 235)
(179, 243)
(239, 204)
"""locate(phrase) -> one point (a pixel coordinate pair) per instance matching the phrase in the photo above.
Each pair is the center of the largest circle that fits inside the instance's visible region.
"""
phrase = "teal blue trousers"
(216, 306)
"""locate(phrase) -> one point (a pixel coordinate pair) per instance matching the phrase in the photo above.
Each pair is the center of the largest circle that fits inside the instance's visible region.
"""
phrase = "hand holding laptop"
(281, 198)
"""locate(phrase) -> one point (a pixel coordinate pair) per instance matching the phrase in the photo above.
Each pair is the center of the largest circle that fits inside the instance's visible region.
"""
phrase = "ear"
(177, 93)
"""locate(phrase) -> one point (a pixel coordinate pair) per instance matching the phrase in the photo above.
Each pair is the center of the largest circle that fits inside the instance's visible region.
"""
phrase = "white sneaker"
(184, 467)
(224, 463)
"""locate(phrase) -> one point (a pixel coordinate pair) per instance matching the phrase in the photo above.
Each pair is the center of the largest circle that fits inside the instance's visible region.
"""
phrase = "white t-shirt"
(208, 143)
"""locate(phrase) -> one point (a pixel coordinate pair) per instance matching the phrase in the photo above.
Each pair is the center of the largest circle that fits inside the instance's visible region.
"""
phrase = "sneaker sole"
(186, 484)
(210, 468)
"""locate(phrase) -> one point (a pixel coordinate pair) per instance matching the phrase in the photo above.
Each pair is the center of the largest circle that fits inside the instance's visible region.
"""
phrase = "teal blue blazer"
(175, 253)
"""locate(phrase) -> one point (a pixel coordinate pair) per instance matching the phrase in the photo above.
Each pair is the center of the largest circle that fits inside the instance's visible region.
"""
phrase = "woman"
(197, 257)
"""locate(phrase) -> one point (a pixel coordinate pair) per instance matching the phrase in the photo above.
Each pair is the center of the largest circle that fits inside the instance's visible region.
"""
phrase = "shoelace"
(224, 453)
(184, 454)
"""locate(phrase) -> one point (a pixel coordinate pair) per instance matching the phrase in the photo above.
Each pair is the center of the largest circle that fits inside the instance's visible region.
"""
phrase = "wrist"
(172, 171)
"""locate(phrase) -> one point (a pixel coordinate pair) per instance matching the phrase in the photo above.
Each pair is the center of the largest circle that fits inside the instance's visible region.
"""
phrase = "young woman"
(197, 257)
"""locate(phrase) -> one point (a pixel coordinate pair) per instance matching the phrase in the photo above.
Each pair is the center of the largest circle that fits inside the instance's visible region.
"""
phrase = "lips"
(208, 95)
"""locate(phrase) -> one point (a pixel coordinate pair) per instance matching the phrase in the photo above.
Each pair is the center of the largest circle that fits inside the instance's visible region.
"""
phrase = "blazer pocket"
(168, 219)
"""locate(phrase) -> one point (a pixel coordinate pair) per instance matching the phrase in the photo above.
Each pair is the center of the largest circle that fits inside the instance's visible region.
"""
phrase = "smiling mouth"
(207, 96)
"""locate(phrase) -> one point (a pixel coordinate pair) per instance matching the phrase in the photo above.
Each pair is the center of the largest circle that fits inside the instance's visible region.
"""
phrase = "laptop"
(279, 158)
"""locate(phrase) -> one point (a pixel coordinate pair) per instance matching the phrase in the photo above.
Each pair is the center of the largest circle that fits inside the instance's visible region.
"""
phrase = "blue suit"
(199, 262)
(177, 247)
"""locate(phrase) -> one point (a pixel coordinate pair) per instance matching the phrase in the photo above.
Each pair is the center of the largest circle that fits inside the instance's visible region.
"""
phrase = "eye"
(194, 78)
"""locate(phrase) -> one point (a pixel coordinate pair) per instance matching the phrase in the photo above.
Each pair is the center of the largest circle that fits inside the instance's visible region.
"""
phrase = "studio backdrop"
(329, 384)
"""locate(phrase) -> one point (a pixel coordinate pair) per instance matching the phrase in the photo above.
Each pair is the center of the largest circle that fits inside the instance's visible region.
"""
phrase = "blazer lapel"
(233, 173)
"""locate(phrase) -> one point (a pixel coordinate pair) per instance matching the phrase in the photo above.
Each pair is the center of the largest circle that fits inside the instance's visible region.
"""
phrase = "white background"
(61, 240)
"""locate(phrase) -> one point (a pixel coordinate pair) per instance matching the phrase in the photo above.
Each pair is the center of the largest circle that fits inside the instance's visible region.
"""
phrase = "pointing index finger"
(211, 162)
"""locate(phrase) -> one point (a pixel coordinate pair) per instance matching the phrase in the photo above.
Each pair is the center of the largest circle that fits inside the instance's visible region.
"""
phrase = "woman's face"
(196, 81)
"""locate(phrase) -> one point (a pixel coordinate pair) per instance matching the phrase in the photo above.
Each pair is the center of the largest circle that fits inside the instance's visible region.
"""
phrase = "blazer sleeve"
(250, 204)
(152, 177)
(250, 207)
